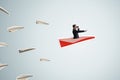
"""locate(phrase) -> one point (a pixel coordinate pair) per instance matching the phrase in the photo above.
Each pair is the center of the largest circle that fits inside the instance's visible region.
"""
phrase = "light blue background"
(96, 59)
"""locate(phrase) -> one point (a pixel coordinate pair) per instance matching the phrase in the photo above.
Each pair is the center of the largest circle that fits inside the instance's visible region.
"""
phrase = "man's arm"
(81, 30)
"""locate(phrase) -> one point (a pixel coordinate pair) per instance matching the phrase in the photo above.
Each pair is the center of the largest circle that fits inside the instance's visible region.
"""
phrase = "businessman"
(76, 30)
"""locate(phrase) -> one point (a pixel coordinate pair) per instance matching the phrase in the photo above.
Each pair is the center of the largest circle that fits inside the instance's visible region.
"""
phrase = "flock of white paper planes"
(14, 29)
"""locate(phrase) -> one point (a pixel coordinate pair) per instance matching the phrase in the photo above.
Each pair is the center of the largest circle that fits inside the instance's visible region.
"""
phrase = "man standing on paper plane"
(76, 30)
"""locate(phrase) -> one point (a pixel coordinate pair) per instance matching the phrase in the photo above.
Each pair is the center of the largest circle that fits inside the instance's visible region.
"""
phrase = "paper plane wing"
(70, 41)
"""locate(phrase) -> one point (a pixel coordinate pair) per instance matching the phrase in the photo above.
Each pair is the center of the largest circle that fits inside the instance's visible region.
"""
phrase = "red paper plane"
(68, 41)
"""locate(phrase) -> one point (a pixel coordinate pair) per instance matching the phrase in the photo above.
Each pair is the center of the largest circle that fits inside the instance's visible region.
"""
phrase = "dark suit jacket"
(75, 33)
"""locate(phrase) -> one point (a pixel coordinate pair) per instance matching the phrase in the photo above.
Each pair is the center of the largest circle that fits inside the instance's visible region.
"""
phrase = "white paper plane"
(4, 10)
(24, 77)
(3, 66)
(3, 44)
(26, 49)
(44, 59)
(41, 22)
(14, 28)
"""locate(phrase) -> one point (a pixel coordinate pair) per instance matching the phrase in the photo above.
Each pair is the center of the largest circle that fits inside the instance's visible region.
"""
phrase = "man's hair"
(74, 25)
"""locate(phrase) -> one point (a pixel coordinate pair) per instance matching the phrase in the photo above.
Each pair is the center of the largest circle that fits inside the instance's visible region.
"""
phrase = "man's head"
(74, 26)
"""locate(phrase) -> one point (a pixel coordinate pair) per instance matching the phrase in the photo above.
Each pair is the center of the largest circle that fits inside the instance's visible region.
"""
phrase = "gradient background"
(96, 59)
